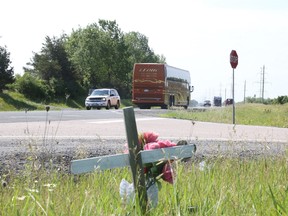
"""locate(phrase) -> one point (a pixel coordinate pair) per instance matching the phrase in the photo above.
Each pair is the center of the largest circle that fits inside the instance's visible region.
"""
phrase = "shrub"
(282, 99)
(31, 87)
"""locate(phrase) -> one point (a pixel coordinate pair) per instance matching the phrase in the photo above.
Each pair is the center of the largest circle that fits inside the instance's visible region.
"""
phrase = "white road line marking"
(121, 120)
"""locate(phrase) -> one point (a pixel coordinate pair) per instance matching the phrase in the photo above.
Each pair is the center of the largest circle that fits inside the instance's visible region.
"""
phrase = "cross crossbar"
(122, 160)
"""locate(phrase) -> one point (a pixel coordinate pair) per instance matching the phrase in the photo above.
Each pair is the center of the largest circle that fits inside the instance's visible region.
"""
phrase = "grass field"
(246, 114)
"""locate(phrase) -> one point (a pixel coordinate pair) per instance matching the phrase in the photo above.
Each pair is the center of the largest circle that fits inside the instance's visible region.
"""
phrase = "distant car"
(228, 101)
(105, 97)
(207, 103)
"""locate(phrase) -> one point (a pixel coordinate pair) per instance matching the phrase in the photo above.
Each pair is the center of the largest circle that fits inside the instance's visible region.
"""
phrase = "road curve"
(105, 130)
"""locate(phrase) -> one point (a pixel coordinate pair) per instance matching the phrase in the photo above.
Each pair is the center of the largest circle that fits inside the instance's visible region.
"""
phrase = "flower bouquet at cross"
(156, 171)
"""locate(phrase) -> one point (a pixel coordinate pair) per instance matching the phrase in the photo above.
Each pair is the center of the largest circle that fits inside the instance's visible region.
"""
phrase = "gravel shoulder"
(57, 154)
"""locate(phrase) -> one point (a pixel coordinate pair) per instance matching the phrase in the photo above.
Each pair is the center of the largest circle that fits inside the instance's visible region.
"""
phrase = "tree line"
(279, 100)
(99, 55)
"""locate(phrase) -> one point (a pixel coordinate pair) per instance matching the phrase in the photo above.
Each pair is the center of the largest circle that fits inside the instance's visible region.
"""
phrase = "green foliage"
(278, 100)
(53, 67)
(83, 51)
(139, 50)
(31, 87)
(100, 55)
(6, 71)
(282, 99)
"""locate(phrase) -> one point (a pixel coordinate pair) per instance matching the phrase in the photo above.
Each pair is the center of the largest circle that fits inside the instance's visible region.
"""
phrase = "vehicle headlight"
(104, 99)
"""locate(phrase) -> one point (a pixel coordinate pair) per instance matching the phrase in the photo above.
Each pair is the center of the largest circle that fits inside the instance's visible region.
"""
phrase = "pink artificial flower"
(126, 149)
(151, 145)
(159, 144)
(166, 143)
(150, 137)
(167, 173)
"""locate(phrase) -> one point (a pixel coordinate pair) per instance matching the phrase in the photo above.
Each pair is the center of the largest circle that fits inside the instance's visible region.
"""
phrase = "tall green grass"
(223, 186)
(246, 114)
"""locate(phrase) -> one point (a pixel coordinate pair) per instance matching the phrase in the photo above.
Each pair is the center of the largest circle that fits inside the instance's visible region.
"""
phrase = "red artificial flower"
(167, 173)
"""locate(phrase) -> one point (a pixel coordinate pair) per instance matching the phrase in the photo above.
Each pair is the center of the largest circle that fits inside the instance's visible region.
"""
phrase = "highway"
(110, 123)
(72, 127)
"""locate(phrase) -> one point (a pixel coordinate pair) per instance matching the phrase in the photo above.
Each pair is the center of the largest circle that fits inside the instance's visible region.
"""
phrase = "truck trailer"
(217, 101)
(156, 84)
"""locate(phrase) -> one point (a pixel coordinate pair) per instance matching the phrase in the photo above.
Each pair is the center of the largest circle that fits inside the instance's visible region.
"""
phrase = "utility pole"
(263, 82)
(244, 91)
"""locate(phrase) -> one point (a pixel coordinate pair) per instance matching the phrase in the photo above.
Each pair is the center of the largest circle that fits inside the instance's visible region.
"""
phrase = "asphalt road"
(99, 129)
(110, 123)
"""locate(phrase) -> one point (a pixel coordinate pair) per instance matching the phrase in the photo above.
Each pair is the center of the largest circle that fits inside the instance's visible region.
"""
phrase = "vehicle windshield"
(100, 92)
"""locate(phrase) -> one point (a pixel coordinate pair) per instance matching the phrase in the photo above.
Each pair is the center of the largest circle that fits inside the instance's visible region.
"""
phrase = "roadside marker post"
(135, 159)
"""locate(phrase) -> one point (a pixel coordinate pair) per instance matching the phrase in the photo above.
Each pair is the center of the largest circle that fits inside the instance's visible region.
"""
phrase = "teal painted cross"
(135, 159)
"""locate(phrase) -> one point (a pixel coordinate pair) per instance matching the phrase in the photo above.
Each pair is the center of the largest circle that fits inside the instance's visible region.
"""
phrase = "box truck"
(156, 84)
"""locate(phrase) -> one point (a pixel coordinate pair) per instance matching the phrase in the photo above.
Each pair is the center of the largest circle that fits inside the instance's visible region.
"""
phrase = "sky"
(195, 35)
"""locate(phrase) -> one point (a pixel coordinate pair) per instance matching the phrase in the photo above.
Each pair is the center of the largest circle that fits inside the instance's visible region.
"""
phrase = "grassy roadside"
(245, 114)
(215, 187)
(13, 101)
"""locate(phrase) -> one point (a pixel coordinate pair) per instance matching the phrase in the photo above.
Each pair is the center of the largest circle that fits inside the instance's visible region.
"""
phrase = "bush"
(278, 100)
(31, 87)
(282, 99)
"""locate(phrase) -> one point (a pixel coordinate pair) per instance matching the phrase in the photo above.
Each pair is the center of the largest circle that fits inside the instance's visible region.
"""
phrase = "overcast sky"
(195, 35)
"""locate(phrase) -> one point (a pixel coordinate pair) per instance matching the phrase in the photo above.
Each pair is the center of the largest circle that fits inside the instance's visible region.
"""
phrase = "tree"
(139, 50)
(83, 48)
(100, 55)
(53, 66)
(116, 60)
(6, 71)
(104, 55)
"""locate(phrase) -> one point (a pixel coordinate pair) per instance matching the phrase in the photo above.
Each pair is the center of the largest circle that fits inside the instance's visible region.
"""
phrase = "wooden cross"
(135, 159)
